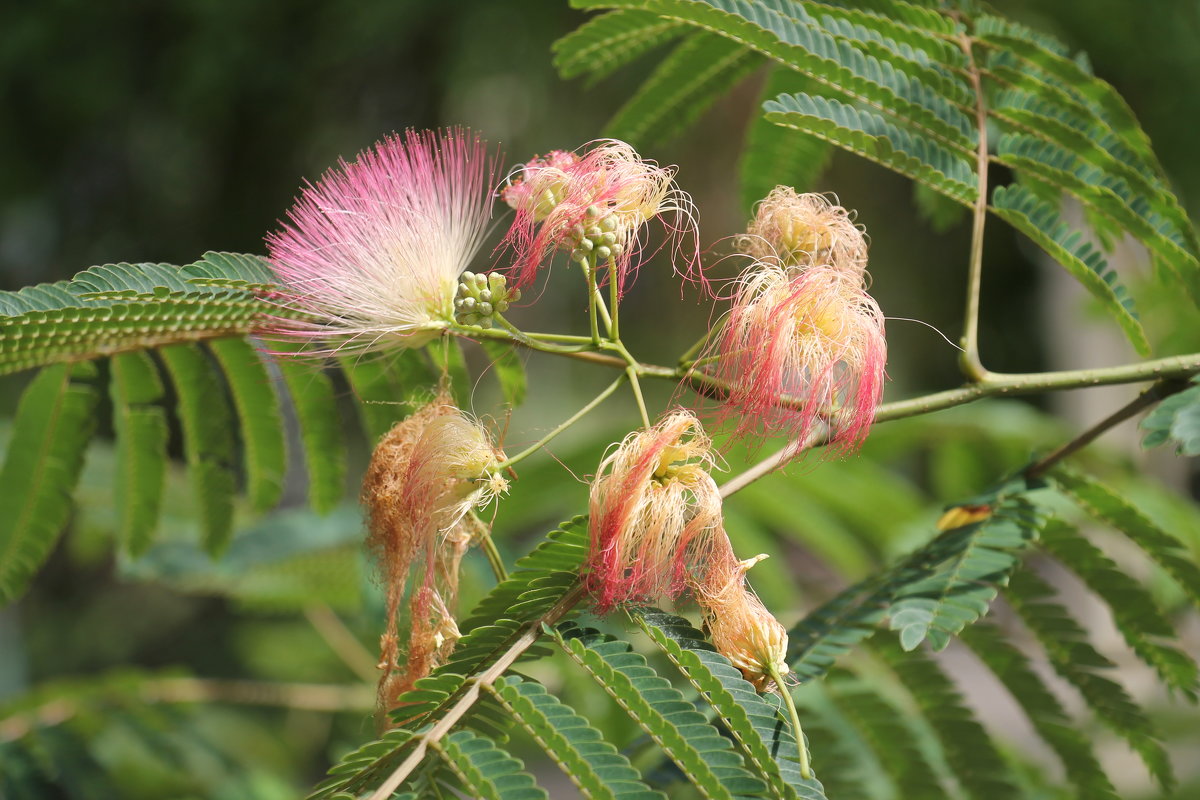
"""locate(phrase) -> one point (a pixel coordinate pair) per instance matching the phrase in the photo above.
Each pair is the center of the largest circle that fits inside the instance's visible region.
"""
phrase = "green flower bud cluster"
(480, 296)
(598, 239)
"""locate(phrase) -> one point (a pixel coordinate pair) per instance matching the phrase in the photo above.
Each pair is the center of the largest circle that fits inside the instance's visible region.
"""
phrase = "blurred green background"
(153, 131)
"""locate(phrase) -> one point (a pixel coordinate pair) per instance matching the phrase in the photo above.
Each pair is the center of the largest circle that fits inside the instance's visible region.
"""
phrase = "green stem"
(632, 369)
(614, 294)
(590, 274)
(493, 556)
(685, 360)
(969, 361)
(578, 415)
(801, 747)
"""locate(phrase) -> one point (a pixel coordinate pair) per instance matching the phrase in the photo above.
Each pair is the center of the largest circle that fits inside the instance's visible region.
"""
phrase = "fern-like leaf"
(257, 409)
(1134, 610)
(683, 86)
(487, 772)
(55, 419)
(1043, 709)
(1019, 207)
(750, 718)
(697, 748)
(970, 752)
(1177, 420)
(1082, 666)
(1109, 507)
(608, 41)
(592, 764)
(980, 557)
(871, 136)
(313, 402)
(207, 439)
(140, 426)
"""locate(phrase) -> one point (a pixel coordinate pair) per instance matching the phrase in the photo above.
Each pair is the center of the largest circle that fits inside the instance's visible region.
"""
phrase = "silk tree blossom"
(805, 230)
(655, 510)
(594, 206)
(739, 625)
(424, 479)
(801, 347)
(372, 252)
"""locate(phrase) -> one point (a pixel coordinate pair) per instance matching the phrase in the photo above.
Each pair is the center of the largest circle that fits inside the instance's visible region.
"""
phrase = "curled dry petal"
(654, 509)
(424, 478)
(371, 253)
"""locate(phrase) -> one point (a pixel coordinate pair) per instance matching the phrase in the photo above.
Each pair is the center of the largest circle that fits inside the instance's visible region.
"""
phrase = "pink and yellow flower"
(594, 207)
(802, 347)
(805, 230)
(654, 511)
(371, 253)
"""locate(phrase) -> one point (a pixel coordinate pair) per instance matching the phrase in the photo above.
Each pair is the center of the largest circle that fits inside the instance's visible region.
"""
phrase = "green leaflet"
(683, 86)
(1105, 505)
(579, 750)
(311, 394)
(705, 757)
(485, 771)
(871, 136)
(754, 721)
(539, 582)
(140, 426)
(55, 419)
(509, 369)
(973, 561)
(1175, 420)
(1134, 610)
(1079, 664)
(775, 155)
(970, 752)
(261, 428)
(119, 307)
(207, 440)
(1019, 207)
(608, 41)
(888, 733)
(1042, 708)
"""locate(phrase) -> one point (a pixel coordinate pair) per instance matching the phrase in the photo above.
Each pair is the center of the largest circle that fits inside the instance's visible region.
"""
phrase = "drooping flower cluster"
(425, 477)
(803, 343)
(593, 206)
(372, 252)
(654, 510)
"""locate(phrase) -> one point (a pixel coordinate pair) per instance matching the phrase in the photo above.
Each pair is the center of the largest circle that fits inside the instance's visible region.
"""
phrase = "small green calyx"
(480, 296)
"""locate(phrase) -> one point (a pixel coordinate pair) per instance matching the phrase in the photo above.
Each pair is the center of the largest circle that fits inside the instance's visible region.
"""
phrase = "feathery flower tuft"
(425, 477)
(738, 623)
(813, 338)
(654, 509)
(372, 252)
(805, 230)
(593, 206)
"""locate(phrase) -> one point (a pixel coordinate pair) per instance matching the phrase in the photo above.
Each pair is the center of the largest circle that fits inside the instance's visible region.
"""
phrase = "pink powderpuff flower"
(594, 206)
(654, 511)
(805, 230)
(372, 252)
(800, 347)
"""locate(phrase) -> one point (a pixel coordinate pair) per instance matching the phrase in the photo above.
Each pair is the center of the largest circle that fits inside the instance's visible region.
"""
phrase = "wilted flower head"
(372, 252)
(592, 206)
(738, 623)
(654, 508)
(805, 230)
(801, 347)
(425, 477)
